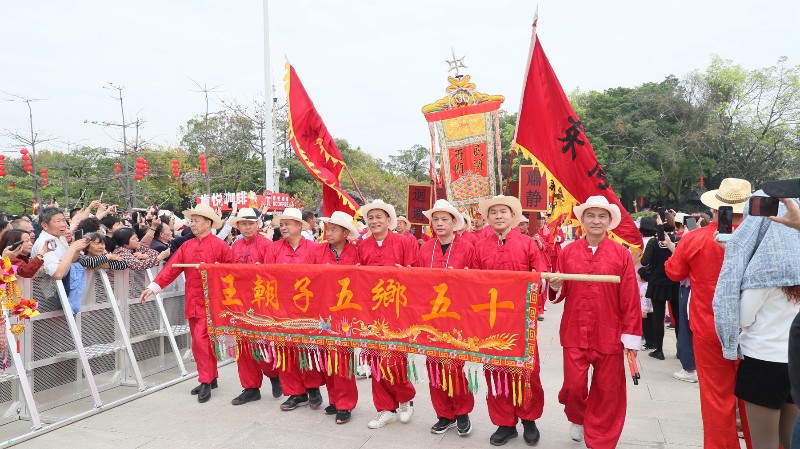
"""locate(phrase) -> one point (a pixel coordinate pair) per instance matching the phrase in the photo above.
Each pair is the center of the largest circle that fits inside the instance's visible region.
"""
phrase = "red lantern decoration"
(175, 169)
(12, 184)
(117, 168)
(2, 166)
(203, 166)
(44, 177)
(702, 183)
(641, 201)
(138, 177)
(23, 151)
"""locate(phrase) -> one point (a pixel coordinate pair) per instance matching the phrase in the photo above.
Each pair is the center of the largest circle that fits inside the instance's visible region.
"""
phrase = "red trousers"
(393, 388)
(600, 410)
(251, 372)
(295, 381)
(502, 410)
(342, 390)
(717, 378)
(203, 350)
(445, 406)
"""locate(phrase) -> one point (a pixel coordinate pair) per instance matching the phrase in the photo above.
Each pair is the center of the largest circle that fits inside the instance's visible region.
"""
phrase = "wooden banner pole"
(582, 277)
(564, 276)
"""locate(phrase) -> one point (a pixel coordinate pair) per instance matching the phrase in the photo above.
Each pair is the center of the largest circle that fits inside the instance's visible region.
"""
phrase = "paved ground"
(662, 413)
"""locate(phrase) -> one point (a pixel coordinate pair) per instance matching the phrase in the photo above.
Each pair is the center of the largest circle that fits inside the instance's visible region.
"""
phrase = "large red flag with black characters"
(552, 136)
(315, 147)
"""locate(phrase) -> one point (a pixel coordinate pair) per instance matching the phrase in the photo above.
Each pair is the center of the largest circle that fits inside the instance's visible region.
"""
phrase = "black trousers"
(657, 321)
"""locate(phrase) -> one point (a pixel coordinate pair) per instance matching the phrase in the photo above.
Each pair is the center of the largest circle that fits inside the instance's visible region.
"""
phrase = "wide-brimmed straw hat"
(379, 204)
(344, 220)
(524, 219)
(291, 213)
(599, 202)
(246, 214)
(204, 210)
(510, 201)
(442, 205)
(404, 220)
(732, 192)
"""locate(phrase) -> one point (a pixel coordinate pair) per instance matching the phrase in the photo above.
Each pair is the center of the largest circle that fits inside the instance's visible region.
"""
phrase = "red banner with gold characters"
(420, 197)
(479, 316)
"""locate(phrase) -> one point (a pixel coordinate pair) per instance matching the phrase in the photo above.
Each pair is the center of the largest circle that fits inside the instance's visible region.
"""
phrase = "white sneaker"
(685, 376)
(406, 411)
(383, 418)
(576, 431)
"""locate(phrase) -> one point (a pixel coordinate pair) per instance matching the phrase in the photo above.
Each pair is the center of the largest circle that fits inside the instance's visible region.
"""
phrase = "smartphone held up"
(725, 223)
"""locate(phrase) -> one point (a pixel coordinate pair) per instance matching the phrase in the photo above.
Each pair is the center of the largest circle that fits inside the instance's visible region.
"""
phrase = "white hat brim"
(349, 226)
(216, 221)
(510, 201)
(613, 209)
(388, 208)
(459, 219)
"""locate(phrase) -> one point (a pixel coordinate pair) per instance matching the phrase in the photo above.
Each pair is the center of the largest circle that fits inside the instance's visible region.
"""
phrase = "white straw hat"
(510, 201)
(600, 202)
(204, 210)
(290, 213)
(344, 220)
(245, 214)
(379, 204)
(442, 205)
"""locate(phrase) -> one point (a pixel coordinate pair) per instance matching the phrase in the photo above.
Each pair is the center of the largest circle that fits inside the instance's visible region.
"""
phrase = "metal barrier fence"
(113, 341)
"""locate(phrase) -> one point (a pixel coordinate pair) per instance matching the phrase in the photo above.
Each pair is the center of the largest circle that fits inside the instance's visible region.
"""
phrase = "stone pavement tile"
(674, 391)
(87, 438)
(683, 432)
(185, 419)
(263, 435)
(638, 430)
(166, 443)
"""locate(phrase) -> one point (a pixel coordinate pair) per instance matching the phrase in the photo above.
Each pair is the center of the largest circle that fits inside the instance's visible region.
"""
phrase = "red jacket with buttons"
(394, 250)
(209, 249)
(596, 314)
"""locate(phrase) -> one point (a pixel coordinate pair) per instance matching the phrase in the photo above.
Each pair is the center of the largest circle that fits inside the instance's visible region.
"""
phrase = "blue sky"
(369, 66)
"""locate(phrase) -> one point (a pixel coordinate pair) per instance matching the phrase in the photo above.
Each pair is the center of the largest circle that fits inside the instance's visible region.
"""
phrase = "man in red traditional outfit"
(479, 227)
(447, 250)
(302, 386)
(342, 390)
(507, 249)
(385, 248)
(699, 256)
(252, 248)
(599, 321)
(203, 248)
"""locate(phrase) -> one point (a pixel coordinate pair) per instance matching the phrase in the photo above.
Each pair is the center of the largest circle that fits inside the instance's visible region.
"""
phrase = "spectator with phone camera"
(54, 228)
(660, 288)
(136, 253)
(757, 297)
(700, 257)
(17, 246)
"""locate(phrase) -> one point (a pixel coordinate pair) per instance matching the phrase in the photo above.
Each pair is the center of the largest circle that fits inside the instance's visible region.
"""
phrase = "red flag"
(315, 147)
(549, 132)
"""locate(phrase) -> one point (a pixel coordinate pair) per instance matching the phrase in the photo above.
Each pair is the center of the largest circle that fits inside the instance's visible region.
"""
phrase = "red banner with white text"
(471, 315)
